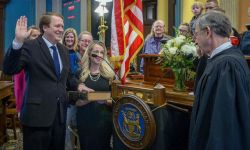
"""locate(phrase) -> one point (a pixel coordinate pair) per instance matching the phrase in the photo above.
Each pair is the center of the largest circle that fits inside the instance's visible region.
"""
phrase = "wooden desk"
(154, 73)
(5, 93)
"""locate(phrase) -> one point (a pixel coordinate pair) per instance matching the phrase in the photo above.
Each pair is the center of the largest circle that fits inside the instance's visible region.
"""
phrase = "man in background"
(154, 41)
(184, 29)
(211, 5)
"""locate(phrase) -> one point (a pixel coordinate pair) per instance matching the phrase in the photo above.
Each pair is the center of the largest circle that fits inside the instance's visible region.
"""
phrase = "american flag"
(126, 33)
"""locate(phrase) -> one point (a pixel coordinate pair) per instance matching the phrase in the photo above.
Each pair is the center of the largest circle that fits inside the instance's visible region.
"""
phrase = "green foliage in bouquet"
(179, 54)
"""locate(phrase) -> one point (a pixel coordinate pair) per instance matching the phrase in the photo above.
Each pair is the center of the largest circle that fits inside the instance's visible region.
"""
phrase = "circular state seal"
(134, 122)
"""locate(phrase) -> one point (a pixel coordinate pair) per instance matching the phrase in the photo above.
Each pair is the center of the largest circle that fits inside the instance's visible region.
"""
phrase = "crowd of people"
(46, 61)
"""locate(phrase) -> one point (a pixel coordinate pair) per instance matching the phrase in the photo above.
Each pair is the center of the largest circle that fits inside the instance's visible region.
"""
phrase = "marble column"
(40, 9)
(85, 13)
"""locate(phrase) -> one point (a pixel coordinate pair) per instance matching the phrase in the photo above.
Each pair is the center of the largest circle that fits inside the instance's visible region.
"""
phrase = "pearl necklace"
(94, 78)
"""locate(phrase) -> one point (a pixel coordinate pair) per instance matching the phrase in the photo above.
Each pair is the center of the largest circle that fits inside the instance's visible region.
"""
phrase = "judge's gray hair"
(218, 22)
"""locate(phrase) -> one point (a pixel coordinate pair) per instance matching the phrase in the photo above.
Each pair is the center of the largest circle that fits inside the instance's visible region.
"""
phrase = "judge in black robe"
(221, 112)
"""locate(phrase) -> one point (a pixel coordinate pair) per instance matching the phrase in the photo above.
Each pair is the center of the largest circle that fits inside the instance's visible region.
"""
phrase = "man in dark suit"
(46, 66)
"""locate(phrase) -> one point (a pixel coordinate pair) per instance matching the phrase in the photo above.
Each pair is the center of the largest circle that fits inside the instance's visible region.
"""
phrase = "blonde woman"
(70, 41)
(94, 119)
(197, 9)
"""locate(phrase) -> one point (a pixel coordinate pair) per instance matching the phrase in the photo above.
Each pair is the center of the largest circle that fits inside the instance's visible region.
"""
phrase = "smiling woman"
(70, 41)
(96, 75)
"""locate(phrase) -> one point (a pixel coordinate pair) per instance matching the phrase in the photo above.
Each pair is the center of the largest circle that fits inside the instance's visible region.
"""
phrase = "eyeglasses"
(183, 31)
(209, 8)
(85, 41)
(197, 33)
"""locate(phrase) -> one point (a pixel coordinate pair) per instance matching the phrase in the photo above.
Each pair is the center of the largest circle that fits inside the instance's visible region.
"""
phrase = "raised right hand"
(21, 29)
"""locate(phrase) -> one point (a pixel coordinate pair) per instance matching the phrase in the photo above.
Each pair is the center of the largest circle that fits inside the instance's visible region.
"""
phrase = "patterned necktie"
(56, 61)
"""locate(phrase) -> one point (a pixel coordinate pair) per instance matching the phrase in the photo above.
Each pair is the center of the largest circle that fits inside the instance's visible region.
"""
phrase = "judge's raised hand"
(21, 29)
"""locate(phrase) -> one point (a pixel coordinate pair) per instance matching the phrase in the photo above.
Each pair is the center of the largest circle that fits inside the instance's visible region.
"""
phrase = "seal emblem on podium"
(134, 122)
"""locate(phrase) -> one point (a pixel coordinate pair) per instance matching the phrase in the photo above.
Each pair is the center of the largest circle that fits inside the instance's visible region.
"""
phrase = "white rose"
(170, 43)
(188, 49)
(172, 50)
(179, 40)
(194, 49)
(182, 37)
(195, 52)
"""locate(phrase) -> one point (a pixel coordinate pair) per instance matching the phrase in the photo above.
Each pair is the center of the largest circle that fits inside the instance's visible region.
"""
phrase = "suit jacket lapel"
(46, 52)
(63, 56)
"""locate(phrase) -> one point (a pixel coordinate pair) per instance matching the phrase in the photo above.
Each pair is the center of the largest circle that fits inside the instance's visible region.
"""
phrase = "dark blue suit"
(45, 100)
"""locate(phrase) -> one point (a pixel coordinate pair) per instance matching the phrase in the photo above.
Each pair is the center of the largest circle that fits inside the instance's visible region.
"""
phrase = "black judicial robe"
(200, 69)
(221, 112)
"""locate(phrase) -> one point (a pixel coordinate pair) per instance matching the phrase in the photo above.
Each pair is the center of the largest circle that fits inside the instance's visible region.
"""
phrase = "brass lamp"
(101, 10)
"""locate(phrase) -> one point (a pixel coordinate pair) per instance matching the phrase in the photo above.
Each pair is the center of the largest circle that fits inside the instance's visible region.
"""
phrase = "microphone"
(116, 76)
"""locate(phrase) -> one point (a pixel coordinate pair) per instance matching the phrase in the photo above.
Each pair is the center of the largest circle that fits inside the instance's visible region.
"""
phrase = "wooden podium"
(156, 90)
(170, 109)
(153, 72)
(148, 89)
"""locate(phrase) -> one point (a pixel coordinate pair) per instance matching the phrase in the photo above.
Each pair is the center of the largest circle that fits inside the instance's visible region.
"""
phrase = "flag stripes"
(127, 33)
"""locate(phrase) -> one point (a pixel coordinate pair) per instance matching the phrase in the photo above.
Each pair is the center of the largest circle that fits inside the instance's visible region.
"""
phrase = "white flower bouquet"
(179, 54)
